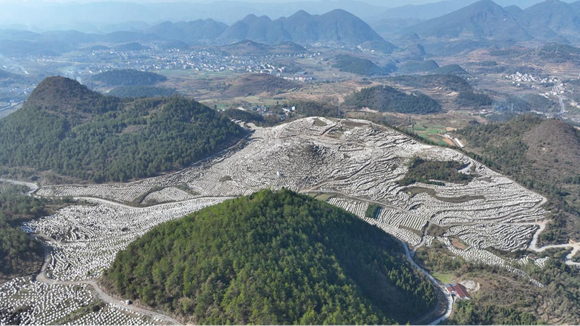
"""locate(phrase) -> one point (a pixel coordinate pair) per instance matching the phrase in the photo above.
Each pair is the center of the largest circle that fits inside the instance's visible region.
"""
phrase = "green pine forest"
(272, 258)
(74, 132)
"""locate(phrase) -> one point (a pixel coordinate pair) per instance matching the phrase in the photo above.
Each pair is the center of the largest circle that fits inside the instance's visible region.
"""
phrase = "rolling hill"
(128, 77)
(272, 258)
(65, 128)
(359, 66)
(389, 99)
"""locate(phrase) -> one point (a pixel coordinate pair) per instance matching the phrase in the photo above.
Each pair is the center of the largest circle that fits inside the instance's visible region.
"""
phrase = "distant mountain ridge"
(487, 24)
(335, 27)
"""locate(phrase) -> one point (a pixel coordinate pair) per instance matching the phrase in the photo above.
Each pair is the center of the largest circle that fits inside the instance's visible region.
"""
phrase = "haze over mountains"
(109, 16)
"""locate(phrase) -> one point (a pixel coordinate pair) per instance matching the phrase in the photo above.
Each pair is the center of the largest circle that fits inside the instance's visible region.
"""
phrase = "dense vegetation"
(505, 298)
(310, 108)
(272, 258)
(389, 99)
(473, 99)
(19, 254)
(140, 91)
(476, 313)
(113, 139)
(128, 77)
(434, 172)
(449, 82)
(357, 66)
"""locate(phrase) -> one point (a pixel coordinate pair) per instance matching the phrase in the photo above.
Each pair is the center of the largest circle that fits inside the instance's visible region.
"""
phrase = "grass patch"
(372, 211)
(444, 278)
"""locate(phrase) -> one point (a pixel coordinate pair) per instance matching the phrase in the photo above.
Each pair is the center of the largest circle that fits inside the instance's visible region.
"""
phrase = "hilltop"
(359, 66)
(272, 258)
(69, 130)
(389, 99)
(128, 77)
(68, 99)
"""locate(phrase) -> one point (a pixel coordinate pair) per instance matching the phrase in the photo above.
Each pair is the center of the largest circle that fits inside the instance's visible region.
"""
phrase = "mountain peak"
(301, 13)
(63, 96)
(335, 27)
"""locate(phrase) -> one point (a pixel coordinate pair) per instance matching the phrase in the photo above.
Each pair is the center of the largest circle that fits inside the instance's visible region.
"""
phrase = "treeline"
(272, 258)
(133, 140)
(359, 66)
(477, 313)
(389, 99)
(311, 109)
(128, 77)
(471, 99)
(19, 254)
(450, 82)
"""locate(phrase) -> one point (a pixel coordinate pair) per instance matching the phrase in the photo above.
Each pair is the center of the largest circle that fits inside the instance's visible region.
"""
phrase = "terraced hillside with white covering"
(350, 163)
(358, 163)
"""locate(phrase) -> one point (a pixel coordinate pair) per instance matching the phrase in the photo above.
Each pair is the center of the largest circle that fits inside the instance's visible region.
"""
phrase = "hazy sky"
(382, 3)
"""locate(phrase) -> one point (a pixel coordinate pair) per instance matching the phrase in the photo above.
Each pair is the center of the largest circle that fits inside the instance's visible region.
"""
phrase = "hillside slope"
(70, 130)
(544, 155)
(272, 258)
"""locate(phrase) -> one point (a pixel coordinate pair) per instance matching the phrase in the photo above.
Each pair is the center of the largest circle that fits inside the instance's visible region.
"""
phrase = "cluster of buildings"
(519, 78)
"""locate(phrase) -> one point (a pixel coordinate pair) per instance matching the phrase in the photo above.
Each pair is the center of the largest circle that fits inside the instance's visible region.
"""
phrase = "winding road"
(105, 297)
(449, 308)
(167, 319)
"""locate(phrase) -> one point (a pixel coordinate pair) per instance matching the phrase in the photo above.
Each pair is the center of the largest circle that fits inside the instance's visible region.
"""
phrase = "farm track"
(104, 296)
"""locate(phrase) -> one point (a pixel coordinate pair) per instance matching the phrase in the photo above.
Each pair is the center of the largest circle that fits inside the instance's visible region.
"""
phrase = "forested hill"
(272, 258)
(389, 99)
(68, 129)
(69, 99)
(128, 77)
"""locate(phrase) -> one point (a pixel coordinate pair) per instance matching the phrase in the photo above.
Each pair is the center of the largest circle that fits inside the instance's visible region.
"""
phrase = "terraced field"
(349, 163)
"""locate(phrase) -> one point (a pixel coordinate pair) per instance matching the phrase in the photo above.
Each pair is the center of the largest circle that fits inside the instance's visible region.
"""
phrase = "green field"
(443, 278)
(433, 133)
